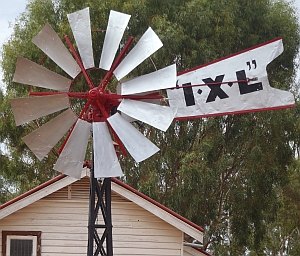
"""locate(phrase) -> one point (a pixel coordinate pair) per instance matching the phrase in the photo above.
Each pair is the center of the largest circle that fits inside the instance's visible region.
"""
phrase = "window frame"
(10, 234)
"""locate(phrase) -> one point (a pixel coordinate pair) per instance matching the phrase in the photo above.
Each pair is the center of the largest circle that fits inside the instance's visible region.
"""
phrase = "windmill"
(196, 93)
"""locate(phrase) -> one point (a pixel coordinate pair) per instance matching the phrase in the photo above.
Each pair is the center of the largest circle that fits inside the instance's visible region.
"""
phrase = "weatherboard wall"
(62, 218)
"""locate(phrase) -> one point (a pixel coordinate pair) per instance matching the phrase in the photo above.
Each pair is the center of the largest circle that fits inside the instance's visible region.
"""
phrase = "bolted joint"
(94, 94)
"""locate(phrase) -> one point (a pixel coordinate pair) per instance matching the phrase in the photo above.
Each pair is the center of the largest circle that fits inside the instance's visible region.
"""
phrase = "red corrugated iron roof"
(30, 192)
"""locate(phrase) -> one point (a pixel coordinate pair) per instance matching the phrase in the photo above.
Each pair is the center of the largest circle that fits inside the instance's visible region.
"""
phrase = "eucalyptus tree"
(224, 173)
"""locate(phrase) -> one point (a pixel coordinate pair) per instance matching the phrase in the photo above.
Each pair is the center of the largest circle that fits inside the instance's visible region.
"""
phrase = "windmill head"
(234, 84)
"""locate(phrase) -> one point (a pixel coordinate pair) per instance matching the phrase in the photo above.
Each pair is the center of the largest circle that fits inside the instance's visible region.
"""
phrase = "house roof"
(37, 193)
(30, 192)
(190, 249)
(119, 187)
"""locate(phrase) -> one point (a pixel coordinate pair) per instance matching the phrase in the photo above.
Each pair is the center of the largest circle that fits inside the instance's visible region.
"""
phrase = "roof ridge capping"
(27, 198)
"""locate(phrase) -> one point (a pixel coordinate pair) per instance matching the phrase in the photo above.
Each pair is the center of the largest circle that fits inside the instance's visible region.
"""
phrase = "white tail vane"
(72, 157)
(106, 163)
(31, 108)
(146, 46)
(28, 72)
(139, 147)
(81, 28)
(116, 26)
(42, 140)
(234, 84)
(49, 42)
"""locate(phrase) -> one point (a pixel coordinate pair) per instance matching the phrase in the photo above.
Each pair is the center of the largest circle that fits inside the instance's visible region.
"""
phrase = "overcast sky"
(10, 9)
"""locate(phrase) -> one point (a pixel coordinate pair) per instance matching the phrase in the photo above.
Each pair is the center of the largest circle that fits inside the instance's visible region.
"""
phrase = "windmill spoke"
(79, 62)
(109, 74)
(85, 109)
(78, 95)
(104, 113)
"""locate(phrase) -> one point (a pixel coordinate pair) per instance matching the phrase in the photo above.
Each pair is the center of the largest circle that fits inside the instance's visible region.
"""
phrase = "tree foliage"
(236, 175)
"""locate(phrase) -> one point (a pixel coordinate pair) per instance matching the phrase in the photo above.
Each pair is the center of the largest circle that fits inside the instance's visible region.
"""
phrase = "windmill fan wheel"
(102, 110)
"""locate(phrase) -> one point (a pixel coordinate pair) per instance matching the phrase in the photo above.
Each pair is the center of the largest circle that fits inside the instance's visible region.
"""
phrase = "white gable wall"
(62, 218)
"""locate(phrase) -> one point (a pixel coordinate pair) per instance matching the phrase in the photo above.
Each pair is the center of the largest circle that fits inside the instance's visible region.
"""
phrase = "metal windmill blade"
(116, 26)
(157, 116)
(71, 158)
(105, 159)
(137, 144)
(81, 28)
(157, 80)
(28, 72)
(146, 46)
(50, 43)
(28, 109)
(42, 140)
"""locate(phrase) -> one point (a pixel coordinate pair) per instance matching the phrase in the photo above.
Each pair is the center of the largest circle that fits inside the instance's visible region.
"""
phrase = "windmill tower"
(199, 92)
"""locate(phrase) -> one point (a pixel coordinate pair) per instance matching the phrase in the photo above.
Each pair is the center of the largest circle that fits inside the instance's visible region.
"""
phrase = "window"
(21, 243)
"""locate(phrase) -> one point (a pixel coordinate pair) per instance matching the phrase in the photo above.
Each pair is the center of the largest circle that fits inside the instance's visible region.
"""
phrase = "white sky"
(10, 9)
